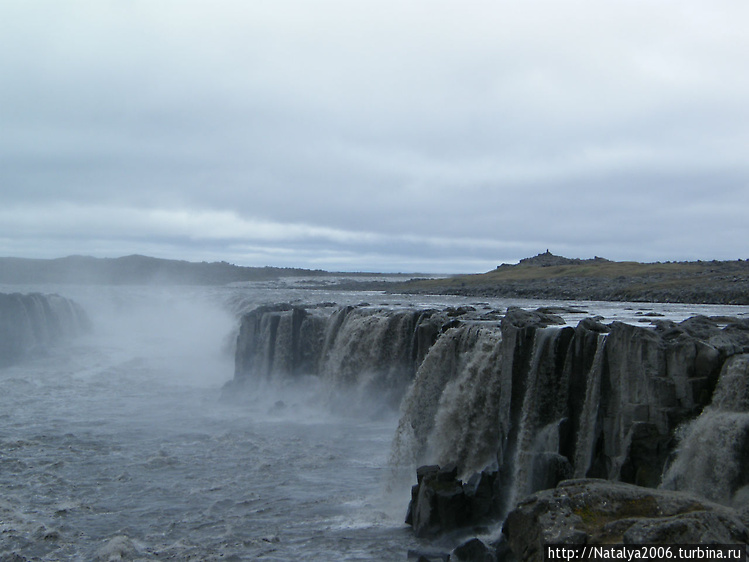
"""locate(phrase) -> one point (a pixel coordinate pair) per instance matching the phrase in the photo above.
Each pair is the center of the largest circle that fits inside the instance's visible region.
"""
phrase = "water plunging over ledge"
(118, 443)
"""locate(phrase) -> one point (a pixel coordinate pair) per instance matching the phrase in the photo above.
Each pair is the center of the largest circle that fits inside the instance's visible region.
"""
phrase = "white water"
(584, 448)
(119, 447)
(711, 459)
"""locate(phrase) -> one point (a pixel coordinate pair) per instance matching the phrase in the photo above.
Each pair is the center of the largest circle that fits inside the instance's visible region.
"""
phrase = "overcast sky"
(434, 136)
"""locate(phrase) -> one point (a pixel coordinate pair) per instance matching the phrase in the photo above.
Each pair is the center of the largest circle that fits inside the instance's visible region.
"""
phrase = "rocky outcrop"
(547, 259)
(441, 503)
(473, 550)
(30, 323)
(547, 276)
(579, 512)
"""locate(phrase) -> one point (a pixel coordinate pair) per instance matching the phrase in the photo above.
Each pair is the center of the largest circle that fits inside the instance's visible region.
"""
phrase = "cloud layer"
(432, 136)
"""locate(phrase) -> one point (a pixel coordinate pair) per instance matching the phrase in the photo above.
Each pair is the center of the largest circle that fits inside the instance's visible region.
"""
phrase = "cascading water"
(371, 353)
(543, 411)
(446, 392)
(363, 357)
(31, 322)
(545, 403)
(467, 428)
(589, 416)
(713, 449)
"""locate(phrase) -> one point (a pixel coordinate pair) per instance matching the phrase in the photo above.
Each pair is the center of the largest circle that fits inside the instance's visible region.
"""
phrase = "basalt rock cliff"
(526, 402)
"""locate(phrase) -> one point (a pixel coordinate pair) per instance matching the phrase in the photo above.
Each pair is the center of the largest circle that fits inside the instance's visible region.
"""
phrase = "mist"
(184, 334)
(126, 442)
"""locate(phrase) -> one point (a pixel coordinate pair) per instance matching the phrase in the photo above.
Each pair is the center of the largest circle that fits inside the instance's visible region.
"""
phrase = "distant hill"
(547, 259)
(555, 277)
(135, 270)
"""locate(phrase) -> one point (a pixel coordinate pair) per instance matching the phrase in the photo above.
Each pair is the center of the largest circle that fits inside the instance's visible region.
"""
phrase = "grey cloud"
(598, 128)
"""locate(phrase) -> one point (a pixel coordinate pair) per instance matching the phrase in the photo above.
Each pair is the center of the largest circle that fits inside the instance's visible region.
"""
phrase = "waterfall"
(537, 462)
(30, 323)
(371, 351)
(279, 342)
(529, 398)
(732, 391)
(450, 411)
(712, 455)
(467, 428)
(713, 450)
(588, 425)
(364, 357)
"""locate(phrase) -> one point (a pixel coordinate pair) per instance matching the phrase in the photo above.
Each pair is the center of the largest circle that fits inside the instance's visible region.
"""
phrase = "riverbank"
(547, 276)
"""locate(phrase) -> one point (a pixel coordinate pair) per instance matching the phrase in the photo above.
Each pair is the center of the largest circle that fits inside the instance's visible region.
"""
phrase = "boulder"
(441, 503)
(593, 511)
(473, 550)
(479, 490)
(519, 318)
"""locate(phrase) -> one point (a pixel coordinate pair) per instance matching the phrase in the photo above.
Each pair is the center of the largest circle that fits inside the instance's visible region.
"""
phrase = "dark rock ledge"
(601, 512)
(576, 512)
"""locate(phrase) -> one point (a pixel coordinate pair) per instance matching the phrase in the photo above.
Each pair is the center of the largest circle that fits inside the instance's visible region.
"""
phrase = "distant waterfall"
(29, 323)
(363, 355)
(372, 352)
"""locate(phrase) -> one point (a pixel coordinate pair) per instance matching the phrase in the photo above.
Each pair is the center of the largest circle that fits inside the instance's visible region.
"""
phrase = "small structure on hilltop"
(547, 259)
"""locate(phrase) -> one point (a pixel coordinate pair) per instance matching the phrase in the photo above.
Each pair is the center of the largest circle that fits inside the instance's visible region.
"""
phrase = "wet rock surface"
(600, 512)
(473, 550)
(441, 503)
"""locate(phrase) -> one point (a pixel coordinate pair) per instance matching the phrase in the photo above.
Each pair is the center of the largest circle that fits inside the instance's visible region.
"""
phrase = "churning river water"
(119, 445)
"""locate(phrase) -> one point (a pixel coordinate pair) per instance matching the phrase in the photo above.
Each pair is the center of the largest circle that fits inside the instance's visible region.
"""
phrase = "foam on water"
(120, 446)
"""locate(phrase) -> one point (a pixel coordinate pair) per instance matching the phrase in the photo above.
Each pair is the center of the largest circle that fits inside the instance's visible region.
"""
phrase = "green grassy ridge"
(675, 270)
(697, 282)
